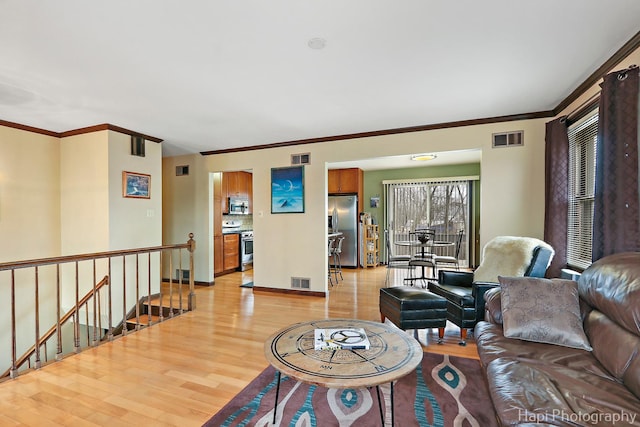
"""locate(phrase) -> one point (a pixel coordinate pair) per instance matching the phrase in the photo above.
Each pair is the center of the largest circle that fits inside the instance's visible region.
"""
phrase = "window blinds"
(582, 169)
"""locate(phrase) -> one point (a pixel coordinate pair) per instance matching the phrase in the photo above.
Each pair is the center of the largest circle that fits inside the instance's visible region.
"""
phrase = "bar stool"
(337, 263)
(330, 247)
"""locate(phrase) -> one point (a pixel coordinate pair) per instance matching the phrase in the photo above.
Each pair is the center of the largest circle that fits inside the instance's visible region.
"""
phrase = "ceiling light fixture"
(423, 157)
(317, 43)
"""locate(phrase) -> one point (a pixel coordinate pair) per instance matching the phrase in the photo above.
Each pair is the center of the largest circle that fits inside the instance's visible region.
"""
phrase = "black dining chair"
(450, 260)
(394, 261)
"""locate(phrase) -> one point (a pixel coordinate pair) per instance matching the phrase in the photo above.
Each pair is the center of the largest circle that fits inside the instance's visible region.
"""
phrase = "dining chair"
(394, 261)
(450, 260)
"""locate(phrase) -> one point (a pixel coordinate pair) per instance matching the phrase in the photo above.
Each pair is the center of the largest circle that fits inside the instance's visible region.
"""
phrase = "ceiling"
(207, 75)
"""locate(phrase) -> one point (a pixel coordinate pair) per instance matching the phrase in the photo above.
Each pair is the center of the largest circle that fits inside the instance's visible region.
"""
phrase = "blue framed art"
(136, 185)
(287, 190)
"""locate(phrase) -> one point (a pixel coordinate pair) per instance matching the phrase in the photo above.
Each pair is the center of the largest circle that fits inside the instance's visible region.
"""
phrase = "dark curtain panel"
(616, 222)
(556, 192)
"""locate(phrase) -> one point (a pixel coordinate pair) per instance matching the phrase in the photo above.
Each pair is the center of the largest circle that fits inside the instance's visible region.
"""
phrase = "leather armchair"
(465, 294)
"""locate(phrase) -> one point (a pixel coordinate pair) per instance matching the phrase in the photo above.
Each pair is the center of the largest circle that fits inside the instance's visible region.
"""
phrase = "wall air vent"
(137, 146)
(508, 139)
(300, 282)
(301, 159)
(182, 170)
(184, 273)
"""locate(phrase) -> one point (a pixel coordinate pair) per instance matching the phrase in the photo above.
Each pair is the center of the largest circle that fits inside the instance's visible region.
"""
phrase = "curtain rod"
(581, 109)
(593, 99)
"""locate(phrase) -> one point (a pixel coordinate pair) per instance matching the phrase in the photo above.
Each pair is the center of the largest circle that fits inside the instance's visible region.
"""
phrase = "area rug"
(442, 391)
(247, 285)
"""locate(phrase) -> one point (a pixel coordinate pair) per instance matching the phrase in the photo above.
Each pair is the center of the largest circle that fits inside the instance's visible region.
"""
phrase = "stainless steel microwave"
(238, 206)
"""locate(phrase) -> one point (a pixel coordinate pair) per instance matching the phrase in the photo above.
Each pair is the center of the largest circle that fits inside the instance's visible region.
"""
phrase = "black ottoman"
(411, 308)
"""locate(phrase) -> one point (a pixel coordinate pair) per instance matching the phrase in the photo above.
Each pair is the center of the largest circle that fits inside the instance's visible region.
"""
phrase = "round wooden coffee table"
(391, 355)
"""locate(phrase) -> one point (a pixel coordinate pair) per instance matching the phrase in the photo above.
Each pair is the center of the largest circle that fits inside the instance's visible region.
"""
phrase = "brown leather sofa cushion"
(612, 286)
(616, 348)
(549, 384)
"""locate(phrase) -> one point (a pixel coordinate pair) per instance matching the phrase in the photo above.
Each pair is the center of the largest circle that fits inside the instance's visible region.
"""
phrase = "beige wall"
(186, 209)
(29, 195)
(286, 245)
(84, 188)
(62, 197)
(29, 225)
(134, 223)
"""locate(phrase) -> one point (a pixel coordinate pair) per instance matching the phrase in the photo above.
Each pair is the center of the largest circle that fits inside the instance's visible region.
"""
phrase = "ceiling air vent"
(508, 139)
(182, 170)
(301, 159)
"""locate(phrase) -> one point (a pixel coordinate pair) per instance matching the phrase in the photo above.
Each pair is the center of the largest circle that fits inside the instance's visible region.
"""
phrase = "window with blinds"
(582, 171)
(441, 205)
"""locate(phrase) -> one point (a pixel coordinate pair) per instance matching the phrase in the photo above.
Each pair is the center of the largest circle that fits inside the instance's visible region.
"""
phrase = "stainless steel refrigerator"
(343, 217)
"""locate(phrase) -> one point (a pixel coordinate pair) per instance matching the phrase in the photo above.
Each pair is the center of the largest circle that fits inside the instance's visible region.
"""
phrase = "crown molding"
(89, 129)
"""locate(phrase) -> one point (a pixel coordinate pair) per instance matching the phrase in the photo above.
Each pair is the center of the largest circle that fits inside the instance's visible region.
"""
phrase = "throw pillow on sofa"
(542, 310)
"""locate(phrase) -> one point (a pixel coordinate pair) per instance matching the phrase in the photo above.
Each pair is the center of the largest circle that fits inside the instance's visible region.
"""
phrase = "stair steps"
(154, 308)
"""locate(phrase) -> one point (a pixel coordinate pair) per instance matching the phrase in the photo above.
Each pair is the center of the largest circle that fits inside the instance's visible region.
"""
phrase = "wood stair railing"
(58, 282)
(56, 328)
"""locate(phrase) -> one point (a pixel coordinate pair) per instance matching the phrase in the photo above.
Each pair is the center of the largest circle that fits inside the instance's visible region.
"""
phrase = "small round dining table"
(423, 246)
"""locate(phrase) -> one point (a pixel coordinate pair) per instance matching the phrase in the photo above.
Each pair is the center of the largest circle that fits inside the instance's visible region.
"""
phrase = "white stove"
(231, 226)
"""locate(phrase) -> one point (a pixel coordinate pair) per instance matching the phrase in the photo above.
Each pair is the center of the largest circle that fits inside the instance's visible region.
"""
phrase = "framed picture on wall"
(287, 190)
(136, 185)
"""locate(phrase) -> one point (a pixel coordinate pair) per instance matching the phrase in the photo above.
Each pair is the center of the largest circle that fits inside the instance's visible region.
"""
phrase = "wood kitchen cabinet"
(343, 181)
(226, 248)
(236, 185)
(218, 247)
(231, 243)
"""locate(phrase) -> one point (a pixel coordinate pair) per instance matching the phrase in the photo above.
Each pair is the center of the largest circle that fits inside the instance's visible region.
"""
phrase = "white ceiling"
(207, 75)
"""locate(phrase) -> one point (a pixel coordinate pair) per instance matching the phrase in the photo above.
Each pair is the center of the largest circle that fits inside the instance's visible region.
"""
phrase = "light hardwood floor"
(180, 372)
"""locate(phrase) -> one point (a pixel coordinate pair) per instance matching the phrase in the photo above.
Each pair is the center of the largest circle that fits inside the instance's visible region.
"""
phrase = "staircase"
(148, 312)
(82, 321)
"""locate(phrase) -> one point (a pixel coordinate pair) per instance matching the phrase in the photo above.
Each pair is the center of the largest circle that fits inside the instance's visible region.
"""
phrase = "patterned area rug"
(442, 391)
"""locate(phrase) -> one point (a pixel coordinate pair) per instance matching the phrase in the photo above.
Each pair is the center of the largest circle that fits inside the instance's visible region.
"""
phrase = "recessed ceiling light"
(423, 157)
(317, 43)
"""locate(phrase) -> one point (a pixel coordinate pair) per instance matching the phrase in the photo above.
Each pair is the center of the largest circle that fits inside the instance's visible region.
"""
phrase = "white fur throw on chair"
(506, 256)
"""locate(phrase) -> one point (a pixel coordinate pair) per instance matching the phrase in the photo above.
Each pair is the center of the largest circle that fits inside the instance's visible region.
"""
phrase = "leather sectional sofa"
(551, 377)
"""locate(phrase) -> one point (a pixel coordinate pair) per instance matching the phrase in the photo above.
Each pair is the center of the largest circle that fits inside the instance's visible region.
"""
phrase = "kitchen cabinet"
(218, 255)
(342, 181)
(236, 185)
(218, 247)
(231, 248)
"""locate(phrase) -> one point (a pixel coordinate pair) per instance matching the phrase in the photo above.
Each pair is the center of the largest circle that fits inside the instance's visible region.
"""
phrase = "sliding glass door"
(444, 206)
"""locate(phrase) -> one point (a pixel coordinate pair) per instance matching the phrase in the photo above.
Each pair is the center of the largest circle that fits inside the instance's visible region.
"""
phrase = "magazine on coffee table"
(341, 338)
